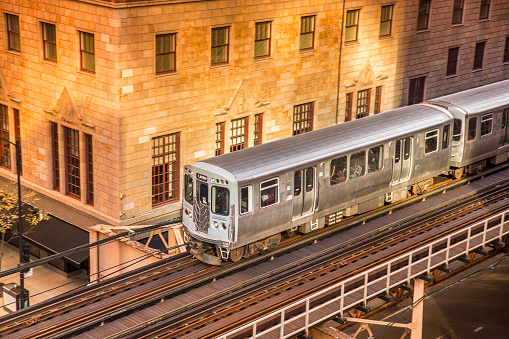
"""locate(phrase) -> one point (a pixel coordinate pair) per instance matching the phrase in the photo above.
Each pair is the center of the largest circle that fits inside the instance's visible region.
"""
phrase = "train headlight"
(216, 225)
(190, 214)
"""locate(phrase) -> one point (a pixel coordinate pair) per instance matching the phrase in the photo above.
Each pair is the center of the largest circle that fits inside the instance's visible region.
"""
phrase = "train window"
(456, 131)
(486, 124)
(297, 183)
(375, 158)
(204, 193)
(220, 200)
(246, 203)
(504, 117)
(431, 143)
(309, 179)
(357, 164)
(472, 128)
(269, 192)
(408, 145)
(397, 152)
(188, 188)
(445, 137)
(338, 170)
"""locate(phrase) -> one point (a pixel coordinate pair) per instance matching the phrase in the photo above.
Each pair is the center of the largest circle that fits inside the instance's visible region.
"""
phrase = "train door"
(402, 160)
(504, 131)
(304, 192)
(201, 207)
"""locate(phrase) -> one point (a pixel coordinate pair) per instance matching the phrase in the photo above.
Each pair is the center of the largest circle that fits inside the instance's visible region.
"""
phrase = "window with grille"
(220, 45)
(416, 91)
(378, 100)
(423, 15)
(485, 10)
(90, 169)
(303, 118)
(87, 50)
(506, 50)
(238, 139)
(165, 165)
(363, 103)
(262, 39)
(56, 155)
(348, 107)
(13, 32)
(72, 156)
(452, 61)
(17, 135)
(49, 39)
(386, 20)
(165, 53)
(220, 138)
(5, 148)
(479, 55)
(258, 121)
(307, 32)
(457, 12)
(352, 25)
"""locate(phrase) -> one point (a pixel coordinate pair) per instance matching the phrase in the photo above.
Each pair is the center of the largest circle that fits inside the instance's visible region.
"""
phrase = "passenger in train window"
(357, 163)
(374, 159)
(431, 143)
(338, 170)
(472, 127)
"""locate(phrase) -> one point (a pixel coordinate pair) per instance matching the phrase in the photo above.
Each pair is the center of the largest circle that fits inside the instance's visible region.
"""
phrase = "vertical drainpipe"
(339, 62)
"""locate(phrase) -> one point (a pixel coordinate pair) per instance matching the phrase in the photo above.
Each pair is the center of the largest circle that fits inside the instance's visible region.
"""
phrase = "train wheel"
(236, 254)
(458, 173)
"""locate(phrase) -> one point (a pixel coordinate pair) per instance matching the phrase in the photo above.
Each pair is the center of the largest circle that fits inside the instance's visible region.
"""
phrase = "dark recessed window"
(423, 15)
(56, 156)
(5, 147)
(506, 50)
(303, 118)
(90, 169)
(72, 150)
(386, 20)
(479, 55)
(262, 39)
(238, 139)
(13, 32)
(258, 129)
(363, 103)
(165, 165)
(220, 45)
(165, 53)
(348, 107)
(457, 12)
(220, 138)
(87, 49)
(352, 25)
(307, 32)
(485, 10)
(416, 91)
(452, 61)
(378, 100)
(49, 38)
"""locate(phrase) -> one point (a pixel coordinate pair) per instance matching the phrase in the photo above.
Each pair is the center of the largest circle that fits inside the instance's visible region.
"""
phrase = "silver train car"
(240, 203)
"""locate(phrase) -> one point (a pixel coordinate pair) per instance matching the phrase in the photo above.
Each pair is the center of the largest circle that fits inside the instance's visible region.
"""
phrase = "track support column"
(418, 310)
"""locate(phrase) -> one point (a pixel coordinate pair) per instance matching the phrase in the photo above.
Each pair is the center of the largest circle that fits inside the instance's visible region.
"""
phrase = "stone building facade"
(110, 98)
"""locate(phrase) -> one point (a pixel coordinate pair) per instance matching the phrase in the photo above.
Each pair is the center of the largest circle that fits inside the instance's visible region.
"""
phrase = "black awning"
(57, 235)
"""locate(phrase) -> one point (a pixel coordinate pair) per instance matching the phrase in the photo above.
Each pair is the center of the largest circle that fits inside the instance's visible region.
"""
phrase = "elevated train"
(239, 204)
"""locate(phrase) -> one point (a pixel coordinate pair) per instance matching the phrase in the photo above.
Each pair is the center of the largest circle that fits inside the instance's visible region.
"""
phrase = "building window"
(348, 107)
(5, 148)
(423, 15)
(378, 100)
(220, 138)
(386, 20)
(56, 159)
(262, 39)
(238, 139)
(416, 91)
(307, 32)
(49, 38)
(13, 32)
(452, 61)
(87, 50)
(258, 123)
(352, 25)
(72, 149)
(90, 169)
(220, 45)
(457, 12)
(165, 53)
(485, 10)
(165, 164)
(506, 50)
(479, 55)
(363, 103)
(17, 135)
(303, 118)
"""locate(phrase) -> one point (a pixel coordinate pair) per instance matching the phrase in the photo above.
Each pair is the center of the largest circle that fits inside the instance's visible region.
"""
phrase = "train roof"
(315, 146)
(480, 99)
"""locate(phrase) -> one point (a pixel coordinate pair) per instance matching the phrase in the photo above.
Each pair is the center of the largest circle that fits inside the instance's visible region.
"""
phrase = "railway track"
(177, 278)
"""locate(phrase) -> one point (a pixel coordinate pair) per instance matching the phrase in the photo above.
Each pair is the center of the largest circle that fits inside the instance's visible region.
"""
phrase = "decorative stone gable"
(66, 109)
(242, 102)
(368, 76)
(5, 95)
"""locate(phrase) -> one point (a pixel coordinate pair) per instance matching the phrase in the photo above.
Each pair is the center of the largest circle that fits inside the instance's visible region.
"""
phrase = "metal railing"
(379, 279)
